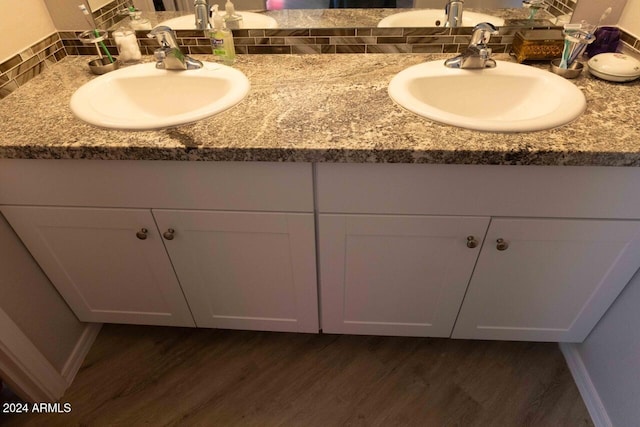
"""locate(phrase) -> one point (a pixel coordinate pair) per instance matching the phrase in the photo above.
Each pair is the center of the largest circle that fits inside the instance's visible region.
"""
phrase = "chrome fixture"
(471, 242)
(501, 245)
(477, 54)
(201, 9)
(169, 56)
(169, 234)
(453, 10)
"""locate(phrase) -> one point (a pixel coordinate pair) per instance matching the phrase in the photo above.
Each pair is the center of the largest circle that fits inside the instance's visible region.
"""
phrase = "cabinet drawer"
(479, 190)
(248, 186)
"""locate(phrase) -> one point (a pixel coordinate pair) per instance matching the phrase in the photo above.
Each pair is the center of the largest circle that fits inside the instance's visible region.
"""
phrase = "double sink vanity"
(319, 203)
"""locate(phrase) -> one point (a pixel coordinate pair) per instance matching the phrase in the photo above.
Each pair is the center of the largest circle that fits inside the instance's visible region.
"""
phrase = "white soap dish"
(615, 67)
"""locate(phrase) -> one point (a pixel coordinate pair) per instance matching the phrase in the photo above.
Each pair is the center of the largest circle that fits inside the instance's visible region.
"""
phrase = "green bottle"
(221, 39)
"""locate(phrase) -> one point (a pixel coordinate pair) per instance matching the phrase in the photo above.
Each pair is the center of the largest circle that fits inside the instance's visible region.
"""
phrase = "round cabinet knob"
(169, 234)
(142, 234)
(501, 245)
(471, 242)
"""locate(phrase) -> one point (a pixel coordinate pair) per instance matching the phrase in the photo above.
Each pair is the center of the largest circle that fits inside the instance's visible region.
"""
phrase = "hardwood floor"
(139, 375)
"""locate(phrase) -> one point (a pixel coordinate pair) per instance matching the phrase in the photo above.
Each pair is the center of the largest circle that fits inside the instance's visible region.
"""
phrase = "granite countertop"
(318, 108)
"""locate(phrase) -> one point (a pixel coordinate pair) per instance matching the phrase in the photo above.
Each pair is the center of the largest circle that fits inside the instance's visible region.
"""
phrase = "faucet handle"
(165, 35)
(482, 33)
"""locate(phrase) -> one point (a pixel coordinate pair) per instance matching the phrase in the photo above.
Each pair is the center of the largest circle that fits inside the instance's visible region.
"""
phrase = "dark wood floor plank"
(138, 375)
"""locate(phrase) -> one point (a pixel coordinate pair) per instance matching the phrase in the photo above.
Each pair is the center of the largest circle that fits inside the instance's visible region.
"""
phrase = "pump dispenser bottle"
(232, 19)
(221, 39)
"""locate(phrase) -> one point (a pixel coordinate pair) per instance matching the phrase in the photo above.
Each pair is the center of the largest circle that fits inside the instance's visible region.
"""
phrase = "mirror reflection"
(264, 14)
(187, 5)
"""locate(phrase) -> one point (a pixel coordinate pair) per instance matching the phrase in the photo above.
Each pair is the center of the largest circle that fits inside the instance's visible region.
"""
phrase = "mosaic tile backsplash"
(22, 67)
(110, 14)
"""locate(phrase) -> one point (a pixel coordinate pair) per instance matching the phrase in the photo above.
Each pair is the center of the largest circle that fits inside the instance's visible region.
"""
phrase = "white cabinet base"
(104, 272)
(395, 275)
(245, 270)
(553, 282)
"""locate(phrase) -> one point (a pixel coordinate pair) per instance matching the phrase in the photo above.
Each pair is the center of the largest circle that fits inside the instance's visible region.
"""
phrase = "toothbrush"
(606, 13)
(565, 55)
(84, 10)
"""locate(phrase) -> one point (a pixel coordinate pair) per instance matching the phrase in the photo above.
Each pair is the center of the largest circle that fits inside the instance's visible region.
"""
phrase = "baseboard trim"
(587, 390)
(27, 371)
(82, 347)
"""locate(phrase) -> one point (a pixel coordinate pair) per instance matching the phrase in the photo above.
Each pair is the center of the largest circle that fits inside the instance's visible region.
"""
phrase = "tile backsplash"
(561, 7)
(319, 40)
(27, 64)
(22, 67)
(109, 15)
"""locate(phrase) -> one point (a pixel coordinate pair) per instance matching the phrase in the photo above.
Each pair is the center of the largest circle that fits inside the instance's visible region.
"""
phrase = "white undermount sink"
(249, 20)
(142, 97)
(508, 98)
(435, 18)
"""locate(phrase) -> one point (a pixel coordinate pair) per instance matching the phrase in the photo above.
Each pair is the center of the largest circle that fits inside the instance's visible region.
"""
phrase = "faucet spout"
(477, 55)
(168, 55)
(453, 10)
(201, 13)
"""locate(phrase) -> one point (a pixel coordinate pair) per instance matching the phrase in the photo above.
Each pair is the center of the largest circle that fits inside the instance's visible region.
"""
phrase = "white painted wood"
(479, 190)
(32, 302)
(553, 283)
(587, 389)
(99, 266)
(395, 275)
(249, 186)
(24, 368)
(242, 270)
(80, 351)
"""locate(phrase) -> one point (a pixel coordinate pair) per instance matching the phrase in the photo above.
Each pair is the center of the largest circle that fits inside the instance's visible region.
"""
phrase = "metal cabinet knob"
(471, 242)
(501, 245)
(169, 234)
(142, 234)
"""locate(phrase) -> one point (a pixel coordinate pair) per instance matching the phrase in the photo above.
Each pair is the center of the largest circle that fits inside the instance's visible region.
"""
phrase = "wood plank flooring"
(155, 376)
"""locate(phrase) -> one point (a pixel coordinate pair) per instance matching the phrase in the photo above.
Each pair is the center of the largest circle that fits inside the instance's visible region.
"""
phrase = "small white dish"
(615, 67)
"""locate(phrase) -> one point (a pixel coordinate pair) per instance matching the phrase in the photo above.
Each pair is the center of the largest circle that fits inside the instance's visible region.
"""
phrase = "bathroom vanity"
(317, 203)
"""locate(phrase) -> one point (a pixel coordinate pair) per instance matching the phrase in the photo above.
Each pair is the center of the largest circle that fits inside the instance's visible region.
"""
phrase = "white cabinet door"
(552, 282)
(395, 275)
(104, 271)
(242, 270)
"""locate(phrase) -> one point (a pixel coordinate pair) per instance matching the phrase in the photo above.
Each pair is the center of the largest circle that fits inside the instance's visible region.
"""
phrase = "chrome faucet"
(201, 9)
(453, 10)
(169, 56)
(477, 54)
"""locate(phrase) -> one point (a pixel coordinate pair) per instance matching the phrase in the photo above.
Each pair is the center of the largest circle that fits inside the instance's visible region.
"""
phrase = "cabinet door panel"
(244, 270)
(554, 281)
(103, 271)
(395, 275)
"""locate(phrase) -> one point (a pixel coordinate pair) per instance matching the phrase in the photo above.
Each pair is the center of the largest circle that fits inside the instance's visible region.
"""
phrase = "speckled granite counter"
(318, 108)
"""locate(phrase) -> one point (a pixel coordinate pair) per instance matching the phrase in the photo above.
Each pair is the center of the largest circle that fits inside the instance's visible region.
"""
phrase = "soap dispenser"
(137, 21)
(232, 19)
(221, 39)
